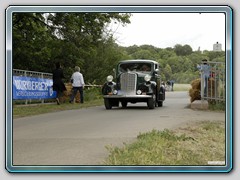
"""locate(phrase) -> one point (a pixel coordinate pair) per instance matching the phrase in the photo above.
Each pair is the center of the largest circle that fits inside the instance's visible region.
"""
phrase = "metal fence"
(213, 82)
(18, 72)
(35, 74)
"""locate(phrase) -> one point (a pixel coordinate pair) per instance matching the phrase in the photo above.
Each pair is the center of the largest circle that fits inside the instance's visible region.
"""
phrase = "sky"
(164, 30)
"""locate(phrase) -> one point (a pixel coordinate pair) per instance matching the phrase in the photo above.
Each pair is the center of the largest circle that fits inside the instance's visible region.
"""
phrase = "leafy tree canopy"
(42, 39)
(182, 50)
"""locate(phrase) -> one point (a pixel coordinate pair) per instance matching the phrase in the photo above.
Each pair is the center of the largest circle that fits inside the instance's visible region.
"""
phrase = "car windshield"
(135, 67)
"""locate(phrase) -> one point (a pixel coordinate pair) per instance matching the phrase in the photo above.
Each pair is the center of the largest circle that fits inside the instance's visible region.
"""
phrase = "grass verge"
(29, 110)
(217, 106)
(192, 145)
(181, 87)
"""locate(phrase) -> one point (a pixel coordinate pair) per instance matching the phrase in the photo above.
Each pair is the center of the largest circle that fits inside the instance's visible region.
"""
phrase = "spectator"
(163, 85)
(205, 70)
(78, 84)
(172, 83)
(168, 86)
(58, 84)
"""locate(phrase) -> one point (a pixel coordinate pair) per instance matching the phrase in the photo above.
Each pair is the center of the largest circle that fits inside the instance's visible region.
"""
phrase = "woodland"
(41, 39)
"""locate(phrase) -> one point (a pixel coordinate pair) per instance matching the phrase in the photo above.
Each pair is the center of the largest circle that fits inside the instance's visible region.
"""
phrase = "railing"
(35, 74)
(18, 72)
(213, 82)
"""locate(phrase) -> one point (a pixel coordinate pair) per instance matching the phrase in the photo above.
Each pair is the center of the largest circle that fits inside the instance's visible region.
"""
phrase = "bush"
(92, 93)
(195, 91)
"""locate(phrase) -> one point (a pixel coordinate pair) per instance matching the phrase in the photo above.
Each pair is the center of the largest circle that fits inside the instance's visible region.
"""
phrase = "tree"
(182, 50)
(214, 54)
(132, 49)
(102, 62)
(187, 50)
(168, 72)
(142, 54)
(39, 40)
(30, 41)
(166, 54)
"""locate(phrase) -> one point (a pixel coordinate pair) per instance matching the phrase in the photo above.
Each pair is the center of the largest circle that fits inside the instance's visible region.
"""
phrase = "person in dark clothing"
(172, 84)
(58, 84)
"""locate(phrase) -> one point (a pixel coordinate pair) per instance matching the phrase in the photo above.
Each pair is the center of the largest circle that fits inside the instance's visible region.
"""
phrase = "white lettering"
(17, 83)
(30, 85)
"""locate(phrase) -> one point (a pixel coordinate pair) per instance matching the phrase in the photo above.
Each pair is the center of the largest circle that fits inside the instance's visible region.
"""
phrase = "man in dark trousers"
(58, 84)
(205, 70)
(172, 83)
(78, 84)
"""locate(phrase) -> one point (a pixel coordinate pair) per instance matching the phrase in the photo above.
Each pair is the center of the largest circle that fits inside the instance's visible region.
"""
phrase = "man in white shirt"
(77, 84)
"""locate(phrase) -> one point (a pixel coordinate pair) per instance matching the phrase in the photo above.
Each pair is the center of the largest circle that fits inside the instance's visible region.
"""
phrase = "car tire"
(107, 103)
(151, 102)
(160, 103)
(124, 104)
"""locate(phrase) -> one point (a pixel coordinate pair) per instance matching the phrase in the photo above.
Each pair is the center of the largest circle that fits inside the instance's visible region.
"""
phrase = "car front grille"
(128, 83)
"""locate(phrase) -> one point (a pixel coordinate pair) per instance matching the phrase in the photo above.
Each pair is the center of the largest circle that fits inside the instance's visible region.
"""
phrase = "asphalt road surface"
(79, 137)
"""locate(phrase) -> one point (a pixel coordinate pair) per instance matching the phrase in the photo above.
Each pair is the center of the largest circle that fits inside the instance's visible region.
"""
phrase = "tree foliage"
(42, 39)
(182, 50)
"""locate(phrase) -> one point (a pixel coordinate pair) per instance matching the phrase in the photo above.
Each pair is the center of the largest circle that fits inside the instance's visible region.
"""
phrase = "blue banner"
(32, 88)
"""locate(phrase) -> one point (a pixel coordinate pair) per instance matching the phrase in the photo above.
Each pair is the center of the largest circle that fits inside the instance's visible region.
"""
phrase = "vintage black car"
(135, 81)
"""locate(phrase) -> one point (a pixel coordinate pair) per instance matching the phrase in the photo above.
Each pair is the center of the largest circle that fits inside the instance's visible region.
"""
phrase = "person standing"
(172, 84)
(58, 84)
(205, 70)
(77, 84)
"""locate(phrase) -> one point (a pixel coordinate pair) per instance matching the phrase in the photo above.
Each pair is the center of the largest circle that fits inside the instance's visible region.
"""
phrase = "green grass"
(193, 145)
(217, 106)
(92, 97)
(181, 87)
(29, 110)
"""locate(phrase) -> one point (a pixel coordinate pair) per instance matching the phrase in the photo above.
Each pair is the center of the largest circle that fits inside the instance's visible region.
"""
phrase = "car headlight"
(139, 92)
(110, 78)
(115, 92)
(147, 78)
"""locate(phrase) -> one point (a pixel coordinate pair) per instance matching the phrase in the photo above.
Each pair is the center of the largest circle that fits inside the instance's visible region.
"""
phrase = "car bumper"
(127, 96)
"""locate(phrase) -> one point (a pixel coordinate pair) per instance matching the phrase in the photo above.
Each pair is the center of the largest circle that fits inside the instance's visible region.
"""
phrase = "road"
(79, 137)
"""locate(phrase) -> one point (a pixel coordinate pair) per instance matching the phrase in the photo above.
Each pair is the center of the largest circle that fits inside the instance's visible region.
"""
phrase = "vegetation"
(92, 97)
(83, 39)
(42, 39)
(217, 105)
(36, 109)
(193, 145)
(181, 87)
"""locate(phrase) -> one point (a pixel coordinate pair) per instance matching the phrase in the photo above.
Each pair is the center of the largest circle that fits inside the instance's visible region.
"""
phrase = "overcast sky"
(168, 29)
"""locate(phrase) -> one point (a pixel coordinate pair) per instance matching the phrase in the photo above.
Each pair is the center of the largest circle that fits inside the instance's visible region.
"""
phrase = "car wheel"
(151, 102)
(124, 104)
(160, 103)
(107, 103)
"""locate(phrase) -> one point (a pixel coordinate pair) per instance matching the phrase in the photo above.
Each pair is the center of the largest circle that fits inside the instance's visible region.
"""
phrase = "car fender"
(108, 87)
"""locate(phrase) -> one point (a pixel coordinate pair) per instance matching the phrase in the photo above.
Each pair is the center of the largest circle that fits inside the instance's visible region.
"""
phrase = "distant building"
(217, 47)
